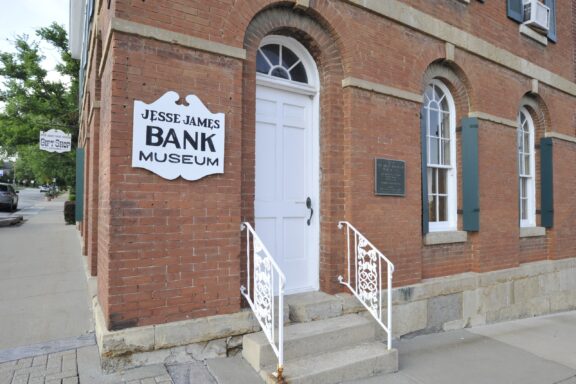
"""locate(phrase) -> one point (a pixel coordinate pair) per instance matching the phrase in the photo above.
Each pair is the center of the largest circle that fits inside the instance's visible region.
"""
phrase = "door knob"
(309, 206)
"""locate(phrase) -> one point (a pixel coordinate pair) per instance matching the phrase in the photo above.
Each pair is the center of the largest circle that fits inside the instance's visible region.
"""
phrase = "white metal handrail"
(367, 282)
(261, 297)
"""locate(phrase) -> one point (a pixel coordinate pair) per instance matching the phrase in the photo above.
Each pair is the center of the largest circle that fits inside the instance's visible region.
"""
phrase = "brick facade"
(171, 250)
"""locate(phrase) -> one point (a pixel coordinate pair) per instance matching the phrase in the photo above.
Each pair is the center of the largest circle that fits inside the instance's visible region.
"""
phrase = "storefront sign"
(55, 140)
(390, 179)
(174, 140)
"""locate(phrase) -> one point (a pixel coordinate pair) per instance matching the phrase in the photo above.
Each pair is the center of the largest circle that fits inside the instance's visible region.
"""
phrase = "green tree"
(33, 103)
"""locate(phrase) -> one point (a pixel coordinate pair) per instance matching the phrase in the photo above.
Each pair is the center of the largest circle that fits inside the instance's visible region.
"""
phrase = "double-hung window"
(526, 169)
(439, 119)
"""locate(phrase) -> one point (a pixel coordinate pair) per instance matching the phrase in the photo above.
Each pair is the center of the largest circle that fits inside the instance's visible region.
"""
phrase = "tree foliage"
(34, 103)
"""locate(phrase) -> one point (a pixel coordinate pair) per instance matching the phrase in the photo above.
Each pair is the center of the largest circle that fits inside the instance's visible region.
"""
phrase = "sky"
(25, 16)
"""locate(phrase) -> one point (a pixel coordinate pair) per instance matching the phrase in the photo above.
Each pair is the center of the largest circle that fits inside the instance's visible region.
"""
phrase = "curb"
(13, 220)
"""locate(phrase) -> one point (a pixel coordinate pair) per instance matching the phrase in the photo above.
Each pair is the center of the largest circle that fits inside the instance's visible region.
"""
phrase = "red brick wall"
(373, 134)
(92, 112)
(104, 184)
(171, 250)
(86, 187)
(499, 233)
(173, 245)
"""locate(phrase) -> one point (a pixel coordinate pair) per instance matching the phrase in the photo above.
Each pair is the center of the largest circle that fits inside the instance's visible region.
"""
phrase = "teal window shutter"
(546, 182)
(515, 10)
(79, 184)
(423, 139)
(552, 29)
(470, 187)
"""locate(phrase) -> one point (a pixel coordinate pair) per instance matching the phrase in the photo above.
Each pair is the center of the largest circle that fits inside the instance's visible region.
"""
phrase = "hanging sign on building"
(55, 140)
(174, 140)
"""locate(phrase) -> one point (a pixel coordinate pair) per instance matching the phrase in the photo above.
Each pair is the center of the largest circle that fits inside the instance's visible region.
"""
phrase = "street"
(29, 203)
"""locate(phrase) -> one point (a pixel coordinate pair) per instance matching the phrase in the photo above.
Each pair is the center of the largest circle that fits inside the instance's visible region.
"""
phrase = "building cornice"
(381, 89)
(561, 136)
(494, 119)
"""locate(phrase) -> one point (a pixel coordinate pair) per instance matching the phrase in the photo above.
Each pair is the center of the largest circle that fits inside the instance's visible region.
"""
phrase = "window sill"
(529, 32)
(448, 237)
(532, 231)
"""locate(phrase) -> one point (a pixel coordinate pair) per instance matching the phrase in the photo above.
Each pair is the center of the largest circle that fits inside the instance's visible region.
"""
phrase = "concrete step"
(304, 339)
(359, 361)
(312, 306)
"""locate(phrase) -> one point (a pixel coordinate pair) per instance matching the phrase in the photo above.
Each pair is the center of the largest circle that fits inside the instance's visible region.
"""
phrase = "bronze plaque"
(390, 177)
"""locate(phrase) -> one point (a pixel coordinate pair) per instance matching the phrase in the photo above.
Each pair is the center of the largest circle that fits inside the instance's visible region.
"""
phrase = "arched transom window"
(278, 61)
(439, 118)
(526, 169)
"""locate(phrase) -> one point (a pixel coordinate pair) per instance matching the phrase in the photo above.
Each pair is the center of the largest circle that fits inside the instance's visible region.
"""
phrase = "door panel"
(294, 166)
(265, 170)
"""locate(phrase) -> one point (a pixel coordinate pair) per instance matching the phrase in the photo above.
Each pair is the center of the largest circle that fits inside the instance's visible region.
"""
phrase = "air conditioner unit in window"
(536, 15)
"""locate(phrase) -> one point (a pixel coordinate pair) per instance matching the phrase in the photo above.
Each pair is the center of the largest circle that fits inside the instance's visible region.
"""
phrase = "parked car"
(44, 188)
(8, 197)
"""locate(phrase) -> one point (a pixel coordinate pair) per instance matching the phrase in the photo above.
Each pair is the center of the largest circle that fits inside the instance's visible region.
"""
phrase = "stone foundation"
(435, 305)
(473, 299)
(172, 343)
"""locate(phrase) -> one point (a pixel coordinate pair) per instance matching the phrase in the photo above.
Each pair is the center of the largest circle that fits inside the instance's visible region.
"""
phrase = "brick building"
(443, 130)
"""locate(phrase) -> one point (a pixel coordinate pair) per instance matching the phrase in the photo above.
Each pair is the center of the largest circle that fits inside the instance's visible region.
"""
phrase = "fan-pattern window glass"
(278, 61)
(526, 168)
(441, 158)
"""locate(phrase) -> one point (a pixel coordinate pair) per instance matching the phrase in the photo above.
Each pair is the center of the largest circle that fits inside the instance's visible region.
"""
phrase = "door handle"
(309, 206)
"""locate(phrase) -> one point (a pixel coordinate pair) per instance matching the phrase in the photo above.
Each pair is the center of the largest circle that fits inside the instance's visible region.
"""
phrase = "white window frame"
(451, 178)
(530, 220)
(313, 85)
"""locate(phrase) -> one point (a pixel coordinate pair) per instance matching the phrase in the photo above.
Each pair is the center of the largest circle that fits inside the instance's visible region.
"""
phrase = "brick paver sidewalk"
(73, 366)
(77, 361)
(59, 367)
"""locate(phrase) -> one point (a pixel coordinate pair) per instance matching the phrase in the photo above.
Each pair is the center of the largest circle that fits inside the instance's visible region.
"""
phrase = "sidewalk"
(540, 350)
(43, 290)
(46, 331)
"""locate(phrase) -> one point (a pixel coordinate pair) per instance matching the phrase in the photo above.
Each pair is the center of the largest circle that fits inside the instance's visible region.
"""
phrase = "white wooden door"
(284, 181)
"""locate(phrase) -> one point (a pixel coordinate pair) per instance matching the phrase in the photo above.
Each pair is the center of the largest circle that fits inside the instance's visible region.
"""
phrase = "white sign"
(174, 140)
(1, 172)
(55, 141)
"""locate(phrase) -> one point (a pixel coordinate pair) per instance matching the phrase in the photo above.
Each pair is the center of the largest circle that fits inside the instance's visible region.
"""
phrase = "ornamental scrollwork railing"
(268, 280)
(364, 276)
